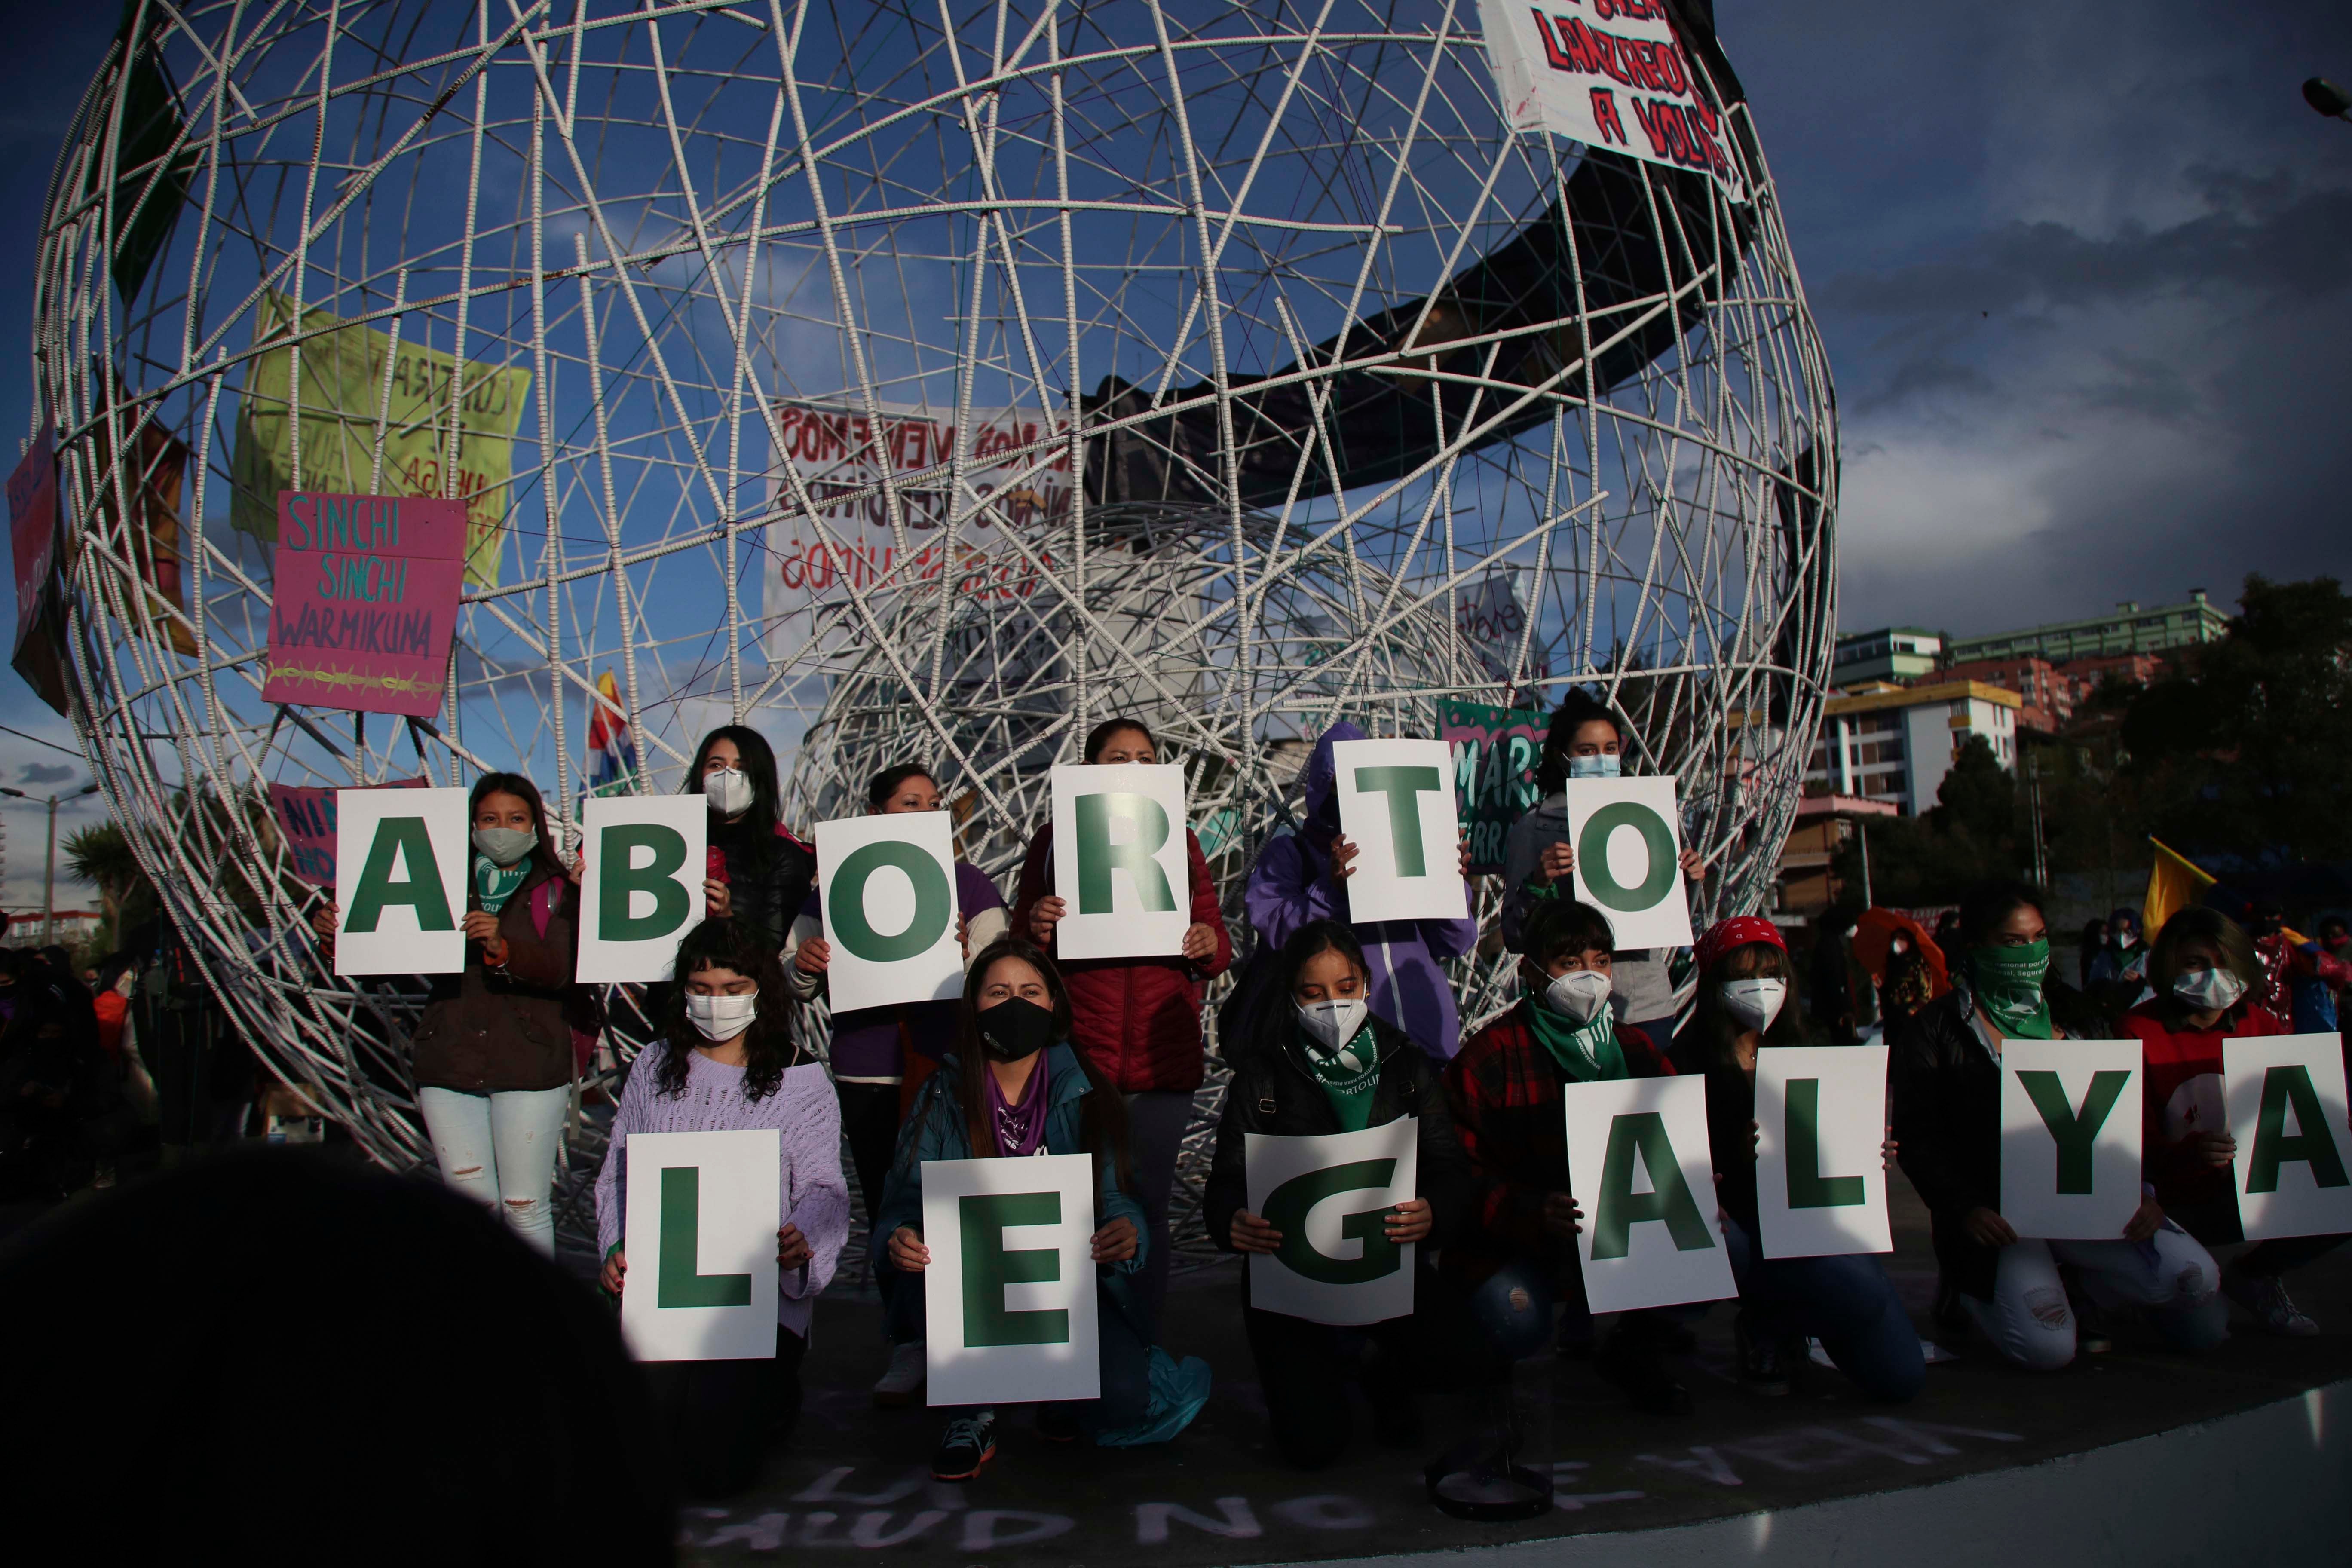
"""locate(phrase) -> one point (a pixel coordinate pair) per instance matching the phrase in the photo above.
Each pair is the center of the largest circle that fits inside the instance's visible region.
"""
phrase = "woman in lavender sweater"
(729, 1064)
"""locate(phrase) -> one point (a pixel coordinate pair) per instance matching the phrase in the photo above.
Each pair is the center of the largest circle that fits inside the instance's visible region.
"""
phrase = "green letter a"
(404, 839)
(2313, 1141)
(1098, 856)
(681, 1244)
(617, 878)
(1642, 1133)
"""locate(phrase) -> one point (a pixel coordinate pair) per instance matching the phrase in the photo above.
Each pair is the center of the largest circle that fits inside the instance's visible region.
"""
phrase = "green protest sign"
(1627, 850)
(1009, 1295)
(2286, 1100)
(2070, 1137)
(402, 857)
(1331, 1196)
(1397, 809)
(1120, 861)
(1821, 1176)
(641, 886)
(1637, 1164)
(700, 1214)
(887, 896)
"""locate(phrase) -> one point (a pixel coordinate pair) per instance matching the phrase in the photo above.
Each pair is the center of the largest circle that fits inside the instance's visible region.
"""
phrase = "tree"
(2242, 751)
(1977, 796)
(101, 854)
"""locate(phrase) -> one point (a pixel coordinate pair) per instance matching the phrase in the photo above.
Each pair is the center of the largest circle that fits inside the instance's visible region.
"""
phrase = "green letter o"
(934, 902)
(1592, 857)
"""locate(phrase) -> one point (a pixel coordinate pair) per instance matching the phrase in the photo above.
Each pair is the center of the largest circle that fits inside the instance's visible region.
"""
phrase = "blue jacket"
(1291, 885)
(934, 1129)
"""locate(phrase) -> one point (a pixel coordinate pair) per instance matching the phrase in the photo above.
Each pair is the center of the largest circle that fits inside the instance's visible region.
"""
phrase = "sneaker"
(1056, 1425)
(2091, 1334)
(904, 1382)
(2264, 1295)
(969, 1445)
(1635, 1366)
(1763, 1360)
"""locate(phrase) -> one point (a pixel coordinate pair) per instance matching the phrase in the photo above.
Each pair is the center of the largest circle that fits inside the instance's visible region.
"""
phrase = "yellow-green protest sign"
(341, 395)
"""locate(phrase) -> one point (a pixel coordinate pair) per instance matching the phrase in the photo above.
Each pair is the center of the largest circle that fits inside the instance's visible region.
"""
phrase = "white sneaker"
(2265, 1296)
(904, 1382)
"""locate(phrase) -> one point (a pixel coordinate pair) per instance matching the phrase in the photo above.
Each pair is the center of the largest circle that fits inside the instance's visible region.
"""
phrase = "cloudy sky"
(2085, 272)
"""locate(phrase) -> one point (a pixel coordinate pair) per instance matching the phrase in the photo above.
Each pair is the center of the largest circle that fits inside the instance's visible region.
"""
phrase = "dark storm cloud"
(45, 772)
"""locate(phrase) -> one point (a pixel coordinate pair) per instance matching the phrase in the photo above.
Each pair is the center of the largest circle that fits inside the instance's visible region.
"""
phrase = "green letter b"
(618, 877)
(1098, 856)
(934, 902)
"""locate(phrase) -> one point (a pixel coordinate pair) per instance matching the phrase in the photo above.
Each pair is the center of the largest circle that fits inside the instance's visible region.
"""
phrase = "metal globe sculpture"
(908, 381)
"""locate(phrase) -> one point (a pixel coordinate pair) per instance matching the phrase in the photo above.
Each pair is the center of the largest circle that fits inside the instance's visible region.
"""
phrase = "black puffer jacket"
(1272, 1092)
(1947, 1092)
(768, 876)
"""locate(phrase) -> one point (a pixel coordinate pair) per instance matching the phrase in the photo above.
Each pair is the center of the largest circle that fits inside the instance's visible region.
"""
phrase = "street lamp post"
(49, 871)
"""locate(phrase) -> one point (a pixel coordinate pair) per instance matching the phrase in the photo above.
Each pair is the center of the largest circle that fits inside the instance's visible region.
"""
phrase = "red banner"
(365, 600)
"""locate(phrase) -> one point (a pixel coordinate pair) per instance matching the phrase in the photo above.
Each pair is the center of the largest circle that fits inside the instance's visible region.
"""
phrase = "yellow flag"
(2173, 884)
(342, 388)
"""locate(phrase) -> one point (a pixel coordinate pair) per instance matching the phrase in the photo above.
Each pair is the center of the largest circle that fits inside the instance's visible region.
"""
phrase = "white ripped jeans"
(2168, 1276)
(500, 1150)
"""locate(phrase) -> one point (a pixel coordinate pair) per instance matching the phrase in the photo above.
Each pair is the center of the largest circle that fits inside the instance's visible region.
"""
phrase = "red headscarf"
(1737, 932)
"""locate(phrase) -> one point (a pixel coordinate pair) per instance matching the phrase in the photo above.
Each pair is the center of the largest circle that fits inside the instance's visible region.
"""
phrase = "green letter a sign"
(1642, 1135)
(2312, 1142)
(401, 841)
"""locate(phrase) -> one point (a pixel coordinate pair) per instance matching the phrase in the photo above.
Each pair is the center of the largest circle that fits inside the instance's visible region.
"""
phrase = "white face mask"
(728, 790)
(504, 846)
(2209, 990)
(1579, 995)
(721, 1018)
(1754, 1003)
(1607, 766)
(1331, 1024)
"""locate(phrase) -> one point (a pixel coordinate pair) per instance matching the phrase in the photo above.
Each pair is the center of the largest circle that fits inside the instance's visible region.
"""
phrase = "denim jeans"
(500, 1150)
(1845, 1302)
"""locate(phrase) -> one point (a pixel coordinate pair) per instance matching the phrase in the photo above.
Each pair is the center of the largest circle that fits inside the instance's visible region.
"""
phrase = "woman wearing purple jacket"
(1303, 877)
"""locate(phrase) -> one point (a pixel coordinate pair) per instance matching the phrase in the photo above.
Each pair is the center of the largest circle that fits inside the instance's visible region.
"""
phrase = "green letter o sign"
(1592, 857)
(934, 902)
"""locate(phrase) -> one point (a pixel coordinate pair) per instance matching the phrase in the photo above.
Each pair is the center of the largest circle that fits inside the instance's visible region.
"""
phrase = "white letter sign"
(641, 888)
(1821, 1178)
(1638, 1166)
(1397, 807)
(1120, 860)
(1330, 1197)
(890, 905)
(1628, 857)
(2292, 1168)
(1009, 1297)
(403, 859)
(2070, 1137)
(700, 1240)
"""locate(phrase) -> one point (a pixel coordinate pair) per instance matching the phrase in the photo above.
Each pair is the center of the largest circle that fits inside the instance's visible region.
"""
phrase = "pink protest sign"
(365, 600)
(306, 818)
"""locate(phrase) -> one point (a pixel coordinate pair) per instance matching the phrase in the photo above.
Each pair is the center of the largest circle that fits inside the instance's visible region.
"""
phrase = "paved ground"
(855, 1477)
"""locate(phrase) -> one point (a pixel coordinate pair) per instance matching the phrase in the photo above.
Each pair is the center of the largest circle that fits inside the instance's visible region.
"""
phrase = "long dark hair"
(768, 1047)
(1102, 1115)
(1271, 1027)
(1099, 736)
(1713, 1027)
(759, 823)
(1577, 709)
(543, 854)
(1985, 906)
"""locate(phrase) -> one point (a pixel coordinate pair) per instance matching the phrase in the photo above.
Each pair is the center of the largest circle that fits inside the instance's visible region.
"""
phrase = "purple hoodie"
(1291, 885)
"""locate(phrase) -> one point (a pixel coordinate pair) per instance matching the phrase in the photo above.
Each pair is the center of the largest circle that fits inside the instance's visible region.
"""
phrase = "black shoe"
(1635, 1366)
(969, 1445)
(2092, 1336)
(1056, 1425)
(1763, 1362)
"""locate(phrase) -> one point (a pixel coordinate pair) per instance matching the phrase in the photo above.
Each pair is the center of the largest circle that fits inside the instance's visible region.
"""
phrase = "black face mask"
(1016, 1028)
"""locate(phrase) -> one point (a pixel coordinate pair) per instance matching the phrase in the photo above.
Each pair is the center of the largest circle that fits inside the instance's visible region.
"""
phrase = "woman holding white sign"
(1585, 742)
(1745, 1003)
(495, 1047)
(1138, 1020)
(2205, 972)
(728, 1063)
(1519, 1259)
(1302, 877)
(1317, 1062)
(1946, 1074)
(758, 873)
(1026, 1091)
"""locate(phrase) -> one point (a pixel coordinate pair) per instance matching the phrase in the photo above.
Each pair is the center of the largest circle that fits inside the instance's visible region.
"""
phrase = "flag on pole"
(2173, 884)
(612, 752)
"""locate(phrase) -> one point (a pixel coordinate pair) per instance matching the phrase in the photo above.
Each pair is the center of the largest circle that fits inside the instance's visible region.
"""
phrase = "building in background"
(1808, 882)
(1890, 653)
(1896, 743)
(2049, 692)
(2131, 629)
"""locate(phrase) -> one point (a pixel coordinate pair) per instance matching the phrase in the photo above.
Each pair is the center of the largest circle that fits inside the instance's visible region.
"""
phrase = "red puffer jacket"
(1138, 1020)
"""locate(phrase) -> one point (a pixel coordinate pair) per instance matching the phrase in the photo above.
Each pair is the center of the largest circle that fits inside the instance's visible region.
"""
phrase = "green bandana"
(1587, 1053)
(1347, 1077)
(494, 885)
(2009, 987)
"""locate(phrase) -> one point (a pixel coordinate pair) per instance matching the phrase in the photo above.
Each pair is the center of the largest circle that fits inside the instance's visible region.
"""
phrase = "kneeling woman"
(1318, 1062)
(1844, 1301)
(1945, 1070)
(1012, 1088)
(727, 1064)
